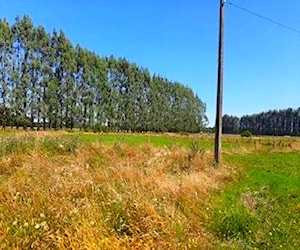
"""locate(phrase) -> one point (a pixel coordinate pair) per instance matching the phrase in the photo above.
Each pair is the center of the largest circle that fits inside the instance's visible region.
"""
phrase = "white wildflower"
(44, 223)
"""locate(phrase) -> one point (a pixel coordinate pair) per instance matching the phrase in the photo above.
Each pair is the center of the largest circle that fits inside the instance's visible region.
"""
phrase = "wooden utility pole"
(218, 127)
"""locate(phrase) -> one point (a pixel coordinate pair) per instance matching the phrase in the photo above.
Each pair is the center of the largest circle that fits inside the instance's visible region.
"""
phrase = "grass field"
(61, 190)
(261, 208)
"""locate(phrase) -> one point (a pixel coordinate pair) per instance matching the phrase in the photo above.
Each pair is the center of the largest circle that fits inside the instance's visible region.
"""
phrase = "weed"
(16, 145)
(233, 222)
(246, 133)
(59, 145)
(195, 148)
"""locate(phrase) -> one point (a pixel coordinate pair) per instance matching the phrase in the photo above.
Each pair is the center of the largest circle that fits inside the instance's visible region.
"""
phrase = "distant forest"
(48, 83)
(277, 123)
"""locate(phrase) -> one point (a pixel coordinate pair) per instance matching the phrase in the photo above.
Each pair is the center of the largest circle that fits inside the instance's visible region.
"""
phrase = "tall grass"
(59, 145)
(16, 145)
(106, 197)
(62, 191)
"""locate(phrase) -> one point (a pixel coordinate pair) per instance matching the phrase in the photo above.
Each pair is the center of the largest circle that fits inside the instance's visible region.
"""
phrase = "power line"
(264, 18)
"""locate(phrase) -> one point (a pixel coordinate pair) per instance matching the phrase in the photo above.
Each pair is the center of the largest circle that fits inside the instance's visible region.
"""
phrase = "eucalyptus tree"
(193, 112)
(90, 94)
(101, 97)
(43, 54)
(115, 102)
(52, 89)
(64, 73)
(123, 88)
(79, 84)
(140, 99)
(131, 97)
(61, 84)
(165, 116)
(296, 124)
(6, 41)
(16, 85)
(84, 84)
(36, 76)
(273, 122)
(45, 80)
(24, 35)
(159, 97)
(201, 119)
(143, 109)
(231, 124)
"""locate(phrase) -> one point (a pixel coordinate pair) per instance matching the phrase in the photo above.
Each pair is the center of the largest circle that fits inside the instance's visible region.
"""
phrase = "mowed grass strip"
(261, 208)
(230, 143)
(157, 140)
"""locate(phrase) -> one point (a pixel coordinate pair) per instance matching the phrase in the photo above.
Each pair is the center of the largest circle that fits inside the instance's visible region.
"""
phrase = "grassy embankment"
(110, 191)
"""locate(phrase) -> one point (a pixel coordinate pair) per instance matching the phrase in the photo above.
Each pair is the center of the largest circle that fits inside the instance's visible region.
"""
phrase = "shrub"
(246, 133)
(100, 128)
(195, 148)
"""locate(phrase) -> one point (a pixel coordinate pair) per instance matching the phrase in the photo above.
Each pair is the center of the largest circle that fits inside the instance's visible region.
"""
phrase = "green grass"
(12, 144)
(59, 145)
(261, 208)
(159, 140)
(230, 143)
(162, 140)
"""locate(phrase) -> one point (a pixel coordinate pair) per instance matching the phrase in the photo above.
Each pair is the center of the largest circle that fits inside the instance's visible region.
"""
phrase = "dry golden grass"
(261, 144)
(106, 197)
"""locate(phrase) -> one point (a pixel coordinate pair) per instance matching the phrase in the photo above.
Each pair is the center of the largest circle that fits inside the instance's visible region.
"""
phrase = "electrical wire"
(264, 17)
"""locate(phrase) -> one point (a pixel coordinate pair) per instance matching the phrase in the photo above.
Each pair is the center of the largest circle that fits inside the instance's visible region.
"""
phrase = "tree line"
(47, 83)
(274, 123)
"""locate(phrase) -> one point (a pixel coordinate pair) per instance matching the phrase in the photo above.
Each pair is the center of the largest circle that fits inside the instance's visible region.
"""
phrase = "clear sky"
(179, 39)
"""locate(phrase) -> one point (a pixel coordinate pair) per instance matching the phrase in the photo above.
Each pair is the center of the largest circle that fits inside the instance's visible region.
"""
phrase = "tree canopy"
(48, 83)
(273, 122)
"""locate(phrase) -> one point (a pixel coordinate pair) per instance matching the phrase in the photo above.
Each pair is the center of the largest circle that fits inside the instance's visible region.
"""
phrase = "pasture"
(75, 190)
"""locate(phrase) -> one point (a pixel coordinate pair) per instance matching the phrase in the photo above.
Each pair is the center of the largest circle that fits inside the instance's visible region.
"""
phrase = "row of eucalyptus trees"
(47, 83)
(275, 123)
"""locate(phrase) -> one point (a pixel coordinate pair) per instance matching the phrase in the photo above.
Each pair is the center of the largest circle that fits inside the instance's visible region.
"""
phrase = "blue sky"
(179, 39)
